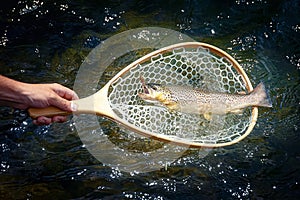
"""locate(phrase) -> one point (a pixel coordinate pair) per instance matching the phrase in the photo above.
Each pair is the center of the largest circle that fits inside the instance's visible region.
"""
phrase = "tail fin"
(261, 97)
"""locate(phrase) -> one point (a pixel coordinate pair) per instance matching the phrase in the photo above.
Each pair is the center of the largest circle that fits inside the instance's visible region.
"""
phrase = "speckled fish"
(196, 101)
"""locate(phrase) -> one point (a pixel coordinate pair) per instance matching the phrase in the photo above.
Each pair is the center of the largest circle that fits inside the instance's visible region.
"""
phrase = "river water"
(47, 41)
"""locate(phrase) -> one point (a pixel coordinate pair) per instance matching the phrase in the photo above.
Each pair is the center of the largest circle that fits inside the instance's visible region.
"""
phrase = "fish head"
(152, 92)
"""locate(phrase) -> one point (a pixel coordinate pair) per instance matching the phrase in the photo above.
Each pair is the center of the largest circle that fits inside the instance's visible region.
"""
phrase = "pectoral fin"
(173, 106)
(242, 93)
(237, 111)
(207, 116)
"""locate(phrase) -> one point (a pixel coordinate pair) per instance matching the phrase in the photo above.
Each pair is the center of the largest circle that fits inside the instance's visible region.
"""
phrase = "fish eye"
(155, 87)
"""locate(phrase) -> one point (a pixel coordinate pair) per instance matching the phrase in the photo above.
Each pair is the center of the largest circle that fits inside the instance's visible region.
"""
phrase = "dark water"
(46, 41)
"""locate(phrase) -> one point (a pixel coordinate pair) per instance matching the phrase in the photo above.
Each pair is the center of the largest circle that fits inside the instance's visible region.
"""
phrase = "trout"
(192, 100)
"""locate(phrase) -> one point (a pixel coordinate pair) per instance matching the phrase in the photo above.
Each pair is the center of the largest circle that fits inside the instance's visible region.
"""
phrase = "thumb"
(64, 104)
(62, 96)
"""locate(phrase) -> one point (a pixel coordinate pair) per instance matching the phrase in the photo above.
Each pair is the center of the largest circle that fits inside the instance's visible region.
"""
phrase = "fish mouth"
(146, 94)
(146, 90)
(144, 85)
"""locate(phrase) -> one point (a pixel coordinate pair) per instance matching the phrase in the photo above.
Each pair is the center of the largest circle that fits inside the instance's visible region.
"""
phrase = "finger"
(70, 94)
(61, 97)
(62, 103)
(64, 92)
(59, 119)
(42, 121)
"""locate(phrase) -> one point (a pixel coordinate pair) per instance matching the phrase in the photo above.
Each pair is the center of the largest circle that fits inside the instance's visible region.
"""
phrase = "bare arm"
(24, 95)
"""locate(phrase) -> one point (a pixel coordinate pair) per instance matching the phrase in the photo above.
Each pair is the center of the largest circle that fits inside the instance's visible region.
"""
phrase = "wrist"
(13, 92)
(23, 92)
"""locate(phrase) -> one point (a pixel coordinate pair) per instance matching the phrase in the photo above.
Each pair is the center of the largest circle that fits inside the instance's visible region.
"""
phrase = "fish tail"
(261, 96)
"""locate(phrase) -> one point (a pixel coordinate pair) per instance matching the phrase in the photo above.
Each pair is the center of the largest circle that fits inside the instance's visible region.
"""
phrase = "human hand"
(45, 95)
(25, 95)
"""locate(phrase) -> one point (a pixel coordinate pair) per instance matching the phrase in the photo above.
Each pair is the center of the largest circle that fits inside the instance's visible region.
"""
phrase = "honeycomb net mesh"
(196, 67)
